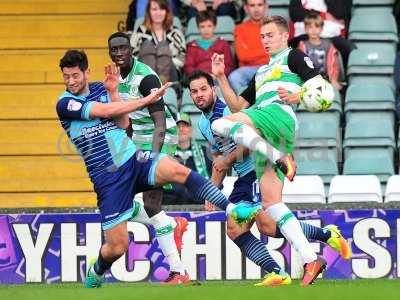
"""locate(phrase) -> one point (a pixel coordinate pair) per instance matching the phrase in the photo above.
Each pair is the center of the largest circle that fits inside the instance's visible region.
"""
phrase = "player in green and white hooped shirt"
(153, 129)
(268, 127)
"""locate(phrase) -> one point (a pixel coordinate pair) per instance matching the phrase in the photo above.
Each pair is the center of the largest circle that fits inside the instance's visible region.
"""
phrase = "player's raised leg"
(170, 171)
(242, 130)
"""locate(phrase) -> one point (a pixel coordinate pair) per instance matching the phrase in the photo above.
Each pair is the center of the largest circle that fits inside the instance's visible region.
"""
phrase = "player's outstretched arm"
(115, 109)
(234, 102)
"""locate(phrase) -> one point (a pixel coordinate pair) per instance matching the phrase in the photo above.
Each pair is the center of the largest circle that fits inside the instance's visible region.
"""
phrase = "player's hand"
(208, 206)
(217, 65)
(287, 97)
(156, 94)
(220, 164)
(111, 80)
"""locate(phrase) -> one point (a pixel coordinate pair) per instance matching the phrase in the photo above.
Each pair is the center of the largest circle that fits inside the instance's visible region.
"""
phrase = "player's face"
(273, 38)
(184, 132)
(313, 30)
(120, 52)
(256, 9)
(157, 14)
(202, 93)
(76, 81)
(207, 29)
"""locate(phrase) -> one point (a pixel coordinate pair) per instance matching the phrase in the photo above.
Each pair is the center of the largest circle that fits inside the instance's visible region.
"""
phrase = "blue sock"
(256, 251)
(202, 189)
(310, 231)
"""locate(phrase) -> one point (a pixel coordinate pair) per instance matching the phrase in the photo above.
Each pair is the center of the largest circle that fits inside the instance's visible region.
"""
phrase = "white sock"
(141, 215)
(165, 236)
(246, 136)
(291, 229)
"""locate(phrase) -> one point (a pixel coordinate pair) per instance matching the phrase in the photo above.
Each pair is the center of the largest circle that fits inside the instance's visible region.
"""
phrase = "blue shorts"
(246, 189)
(116, 190)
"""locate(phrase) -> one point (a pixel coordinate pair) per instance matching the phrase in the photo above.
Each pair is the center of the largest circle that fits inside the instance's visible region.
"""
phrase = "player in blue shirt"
(95, 119)
(227, 154)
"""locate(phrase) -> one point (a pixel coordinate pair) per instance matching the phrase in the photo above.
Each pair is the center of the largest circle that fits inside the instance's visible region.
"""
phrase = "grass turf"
(229, 290)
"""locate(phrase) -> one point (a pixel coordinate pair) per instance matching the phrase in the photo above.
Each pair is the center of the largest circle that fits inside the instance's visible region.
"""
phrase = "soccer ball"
(317, 94)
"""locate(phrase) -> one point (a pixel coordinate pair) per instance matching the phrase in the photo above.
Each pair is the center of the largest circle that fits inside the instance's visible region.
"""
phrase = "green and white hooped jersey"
(273, 75)
(142, 123)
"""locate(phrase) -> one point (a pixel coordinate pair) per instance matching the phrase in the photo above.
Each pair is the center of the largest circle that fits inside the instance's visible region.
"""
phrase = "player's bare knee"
(179, 173)
(233, 231)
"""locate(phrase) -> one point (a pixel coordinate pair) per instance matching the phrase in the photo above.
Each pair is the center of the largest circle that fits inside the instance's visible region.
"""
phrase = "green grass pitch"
(229, 290)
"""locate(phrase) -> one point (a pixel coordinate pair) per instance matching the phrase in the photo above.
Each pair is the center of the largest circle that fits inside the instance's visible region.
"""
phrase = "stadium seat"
(317, 161)
(25, 174)
(376, 79)
(369, 160)
(34, 137)
(57, 31)
(273, 3)
(34, 101)
(361, 97)
(224, 29)
(373, 27)
(32, 7)
(392, 193)
(41, 66)
(304, 189)
(318, 130)
(26, 200)
(171, 100)
(195, 117)
(364, 129)
(366, 10)
(377, 59)
(372, 2)
(355, 189)
(139, 21)
(279, 11)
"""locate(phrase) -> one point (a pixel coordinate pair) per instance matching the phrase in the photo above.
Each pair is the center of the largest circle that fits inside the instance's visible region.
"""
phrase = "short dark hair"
(245, 2)
(119, 34)
(279, 21)
(201, 74)
(74, 58)
(313, 17)
(207, 15)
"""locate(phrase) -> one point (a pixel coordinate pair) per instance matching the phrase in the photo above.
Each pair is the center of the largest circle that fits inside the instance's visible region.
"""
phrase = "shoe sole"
(275, 282)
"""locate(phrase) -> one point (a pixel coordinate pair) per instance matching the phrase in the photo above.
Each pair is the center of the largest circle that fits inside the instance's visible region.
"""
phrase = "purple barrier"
(56, 248)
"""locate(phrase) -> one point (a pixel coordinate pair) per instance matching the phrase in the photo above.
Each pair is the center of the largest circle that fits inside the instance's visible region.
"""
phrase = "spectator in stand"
(200, 51)
(220, 7)
(191, 154)
(336, 15)
(321, 51)
(158, 43)
(137, 9)
(249, 50)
